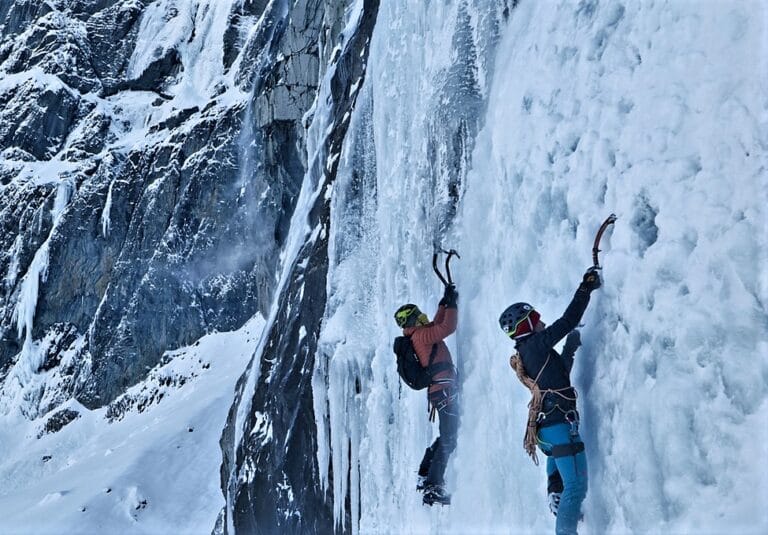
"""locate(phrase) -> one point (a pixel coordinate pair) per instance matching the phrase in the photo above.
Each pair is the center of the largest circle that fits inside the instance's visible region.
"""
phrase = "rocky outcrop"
(270, 474)
(140, 218)
(142, 208)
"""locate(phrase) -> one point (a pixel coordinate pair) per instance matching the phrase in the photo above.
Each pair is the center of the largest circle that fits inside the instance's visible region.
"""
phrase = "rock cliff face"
(271, 474)
(151, 157)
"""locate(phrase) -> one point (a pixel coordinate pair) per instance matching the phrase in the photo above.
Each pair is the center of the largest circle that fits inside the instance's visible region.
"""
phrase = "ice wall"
(653, 111)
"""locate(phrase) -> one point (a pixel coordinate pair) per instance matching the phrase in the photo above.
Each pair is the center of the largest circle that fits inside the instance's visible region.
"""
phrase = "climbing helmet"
(519, 320)
(409, 315)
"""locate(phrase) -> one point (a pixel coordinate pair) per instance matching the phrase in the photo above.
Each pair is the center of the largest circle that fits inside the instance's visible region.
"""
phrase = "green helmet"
(407, 315)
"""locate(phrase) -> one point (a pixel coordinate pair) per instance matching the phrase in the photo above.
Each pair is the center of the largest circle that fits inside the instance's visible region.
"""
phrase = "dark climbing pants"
(556, 441)
(436, 457)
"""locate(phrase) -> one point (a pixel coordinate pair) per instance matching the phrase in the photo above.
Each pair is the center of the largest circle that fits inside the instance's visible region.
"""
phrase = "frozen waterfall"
(652, 111)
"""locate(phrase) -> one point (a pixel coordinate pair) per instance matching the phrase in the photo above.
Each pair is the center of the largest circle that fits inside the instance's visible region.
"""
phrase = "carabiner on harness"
(572, 417)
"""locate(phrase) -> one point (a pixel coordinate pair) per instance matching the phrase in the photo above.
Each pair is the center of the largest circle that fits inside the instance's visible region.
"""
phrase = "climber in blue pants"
(553, 421)
(572, 470)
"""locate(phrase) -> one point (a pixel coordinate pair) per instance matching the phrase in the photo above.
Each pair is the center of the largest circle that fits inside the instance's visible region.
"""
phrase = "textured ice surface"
(654, 112)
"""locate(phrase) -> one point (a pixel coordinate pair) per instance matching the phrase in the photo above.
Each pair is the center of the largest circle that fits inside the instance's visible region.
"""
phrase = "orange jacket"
(425, 336)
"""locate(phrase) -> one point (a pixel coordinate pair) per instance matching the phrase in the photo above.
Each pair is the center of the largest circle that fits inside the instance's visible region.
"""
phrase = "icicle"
(106, 222)
(63, 194)
(13, 267)
(30, 284)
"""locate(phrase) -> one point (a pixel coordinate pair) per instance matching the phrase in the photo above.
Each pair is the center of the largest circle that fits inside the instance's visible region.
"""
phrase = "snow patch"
(93, 473)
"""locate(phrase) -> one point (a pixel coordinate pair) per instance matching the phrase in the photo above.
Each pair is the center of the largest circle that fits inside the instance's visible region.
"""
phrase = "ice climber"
(553, 421)
(427, 338)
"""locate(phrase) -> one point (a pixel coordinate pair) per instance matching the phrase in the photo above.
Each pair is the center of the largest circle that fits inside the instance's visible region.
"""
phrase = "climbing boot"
(436, 494)
(554, 502)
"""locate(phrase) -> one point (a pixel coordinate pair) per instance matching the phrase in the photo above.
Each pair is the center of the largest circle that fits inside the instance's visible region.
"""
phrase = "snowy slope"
(655, 111)
(148, 463)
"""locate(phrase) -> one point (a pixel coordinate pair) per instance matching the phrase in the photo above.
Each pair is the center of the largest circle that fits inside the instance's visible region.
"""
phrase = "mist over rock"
(177, 191)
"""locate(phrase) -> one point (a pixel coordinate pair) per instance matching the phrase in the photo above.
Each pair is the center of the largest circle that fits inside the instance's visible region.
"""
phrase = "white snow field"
(154, 471)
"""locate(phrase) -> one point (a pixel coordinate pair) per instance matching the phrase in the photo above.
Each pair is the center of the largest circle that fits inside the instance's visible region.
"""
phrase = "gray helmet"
(518, 320)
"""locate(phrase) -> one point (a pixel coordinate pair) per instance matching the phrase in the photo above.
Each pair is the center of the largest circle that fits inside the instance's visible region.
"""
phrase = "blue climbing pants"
(561, 442)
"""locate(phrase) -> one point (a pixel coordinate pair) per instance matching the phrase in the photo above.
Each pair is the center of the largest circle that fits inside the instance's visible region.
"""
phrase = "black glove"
(591, 280)
(573, 339)
(450, 297)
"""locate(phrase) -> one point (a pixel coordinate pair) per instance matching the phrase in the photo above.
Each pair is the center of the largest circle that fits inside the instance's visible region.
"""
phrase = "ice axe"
(450, 253)
(610, 220)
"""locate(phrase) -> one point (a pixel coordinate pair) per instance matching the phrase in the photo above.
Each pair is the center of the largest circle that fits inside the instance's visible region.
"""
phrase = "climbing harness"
(436, 406)
(610, 220)
(558, 392)
(449, 280)
(535, 413)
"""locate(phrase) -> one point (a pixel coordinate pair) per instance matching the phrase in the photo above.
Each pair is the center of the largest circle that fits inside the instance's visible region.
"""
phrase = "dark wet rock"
(57, 421)
(57, 45)
(240, 23)
(112, 32)
(60, 337)
(175, 120)
(271, 484)
(93, 135)
(16, 16)
(36, 115)
(155, 77)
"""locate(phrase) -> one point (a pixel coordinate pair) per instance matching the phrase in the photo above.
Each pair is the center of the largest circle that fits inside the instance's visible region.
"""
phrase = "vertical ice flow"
(106, 221)
(29, 360)
(593, 108)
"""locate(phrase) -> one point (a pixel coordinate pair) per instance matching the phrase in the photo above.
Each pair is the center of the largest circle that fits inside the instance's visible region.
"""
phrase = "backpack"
(410, 369)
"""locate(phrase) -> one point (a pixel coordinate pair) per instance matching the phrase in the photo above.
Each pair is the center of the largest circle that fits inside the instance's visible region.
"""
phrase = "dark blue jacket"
(535, 349)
